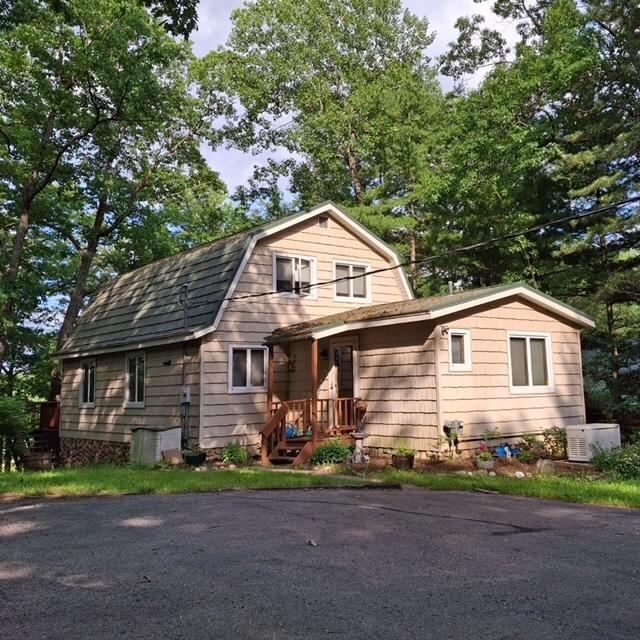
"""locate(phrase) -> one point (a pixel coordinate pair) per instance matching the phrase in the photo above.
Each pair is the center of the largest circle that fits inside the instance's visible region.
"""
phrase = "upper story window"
(135, 371)
(353, 283)
(88, 383)
(530, 368)
(294, 275)
(459, 350)
(247, 368)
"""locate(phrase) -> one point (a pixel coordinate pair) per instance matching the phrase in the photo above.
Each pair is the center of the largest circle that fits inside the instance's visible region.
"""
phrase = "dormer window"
(294, 275)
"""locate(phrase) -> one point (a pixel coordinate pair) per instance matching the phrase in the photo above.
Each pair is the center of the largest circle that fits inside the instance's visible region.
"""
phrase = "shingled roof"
(141, 307)
(423, 308)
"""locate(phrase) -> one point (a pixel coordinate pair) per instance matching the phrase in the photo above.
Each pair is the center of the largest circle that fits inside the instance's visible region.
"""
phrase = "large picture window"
(294, 275)
(353, 283)
(135, 379)
(247, 368)
(88, 384)
(530, 362)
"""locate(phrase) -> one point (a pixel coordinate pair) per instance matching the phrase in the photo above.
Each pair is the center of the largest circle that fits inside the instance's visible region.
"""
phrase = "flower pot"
(485, 464)
(402, 462)
(194, 459)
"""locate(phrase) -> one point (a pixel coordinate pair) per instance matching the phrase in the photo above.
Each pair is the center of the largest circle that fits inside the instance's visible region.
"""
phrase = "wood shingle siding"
(227, 416)
(109, 419)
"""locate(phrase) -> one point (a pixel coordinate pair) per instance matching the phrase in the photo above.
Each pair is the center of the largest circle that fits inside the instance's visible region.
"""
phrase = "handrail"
(276, 426)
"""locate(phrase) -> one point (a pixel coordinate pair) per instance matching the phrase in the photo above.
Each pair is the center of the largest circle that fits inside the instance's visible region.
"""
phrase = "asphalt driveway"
(389, 564)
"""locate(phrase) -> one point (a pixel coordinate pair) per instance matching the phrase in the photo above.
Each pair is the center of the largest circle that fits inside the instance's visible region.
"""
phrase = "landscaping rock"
(544, 465)
(172, 456)
(492, 473)
(518, 474)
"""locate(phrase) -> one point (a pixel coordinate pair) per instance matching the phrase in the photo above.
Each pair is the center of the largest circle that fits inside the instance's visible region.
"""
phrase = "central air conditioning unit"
(581, 438)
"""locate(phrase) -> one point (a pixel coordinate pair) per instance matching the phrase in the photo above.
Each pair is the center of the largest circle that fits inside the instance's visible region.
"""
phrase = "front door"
(343, 374)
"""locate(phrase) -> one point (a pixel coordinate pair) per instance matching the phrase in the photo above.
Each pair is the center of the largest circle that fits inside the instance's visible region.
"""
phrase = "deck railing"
(336, 414)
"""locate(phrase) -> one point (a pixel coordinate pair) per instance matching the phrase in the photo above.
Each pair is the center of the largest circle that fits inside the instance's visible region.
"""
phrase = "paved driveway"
(389, 564)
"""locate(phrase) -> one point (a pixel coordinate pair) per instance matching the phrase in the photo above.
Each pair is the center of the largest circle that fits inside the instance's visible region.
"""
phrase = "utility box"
(148, 443)
(582, 437)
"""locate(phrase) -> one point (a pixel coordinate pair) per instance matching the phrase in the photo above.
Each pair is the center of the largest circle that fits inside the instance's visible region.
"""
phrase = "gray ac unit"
(581, 438)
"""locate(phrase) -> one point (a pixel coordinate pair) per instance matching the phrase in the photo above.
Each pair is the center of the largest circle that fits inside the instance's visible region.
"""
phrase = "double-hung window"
(459, 350)
(247, 368)
(352, 281)
(530, 366)
(88, 383)
(293, 275)
(135, 371)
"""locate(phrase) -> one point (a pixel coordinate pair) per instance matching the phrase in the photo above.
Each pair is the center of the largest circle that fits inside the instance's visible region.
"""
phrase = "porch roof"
(423, 309)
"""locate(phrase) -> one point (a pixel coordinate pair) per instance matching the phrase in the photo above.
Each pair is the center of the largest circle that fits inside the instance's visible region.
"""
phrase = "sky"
(214, 24)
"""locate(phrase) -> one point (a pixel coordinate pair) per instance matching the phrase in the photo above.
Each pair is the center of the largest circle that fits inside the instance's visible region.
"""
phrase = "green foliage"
(234, 453)
(14, 418)
(404, 450)
(555, 441)
(484, 455)
(491, 434)
(333, 451)
(528, 457)
(623, 462)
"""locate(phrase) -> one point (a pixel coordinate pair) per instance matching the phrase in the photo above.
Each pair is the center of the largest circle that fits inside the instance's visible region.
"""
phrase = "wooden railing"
(274, 432)
(338, 413)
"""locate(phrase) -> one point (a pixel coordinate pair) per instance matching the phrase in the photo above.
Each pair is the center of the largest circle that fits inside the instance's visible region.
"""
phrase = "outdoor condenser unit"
(582, 437)
(148, 443)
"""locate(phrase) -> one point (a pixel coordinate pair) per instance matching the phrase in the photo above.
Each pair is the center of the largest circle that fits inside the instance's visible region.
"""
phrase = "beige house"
(271, 337)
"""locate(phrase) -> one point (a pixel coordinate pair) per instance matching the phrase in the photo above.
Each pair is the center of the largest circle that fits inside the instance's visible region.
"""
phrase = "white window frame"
(248, 348)
(134, 404)
(467, 364)
(530, 388)
(87, 362)
(313, 291)
(367, 281)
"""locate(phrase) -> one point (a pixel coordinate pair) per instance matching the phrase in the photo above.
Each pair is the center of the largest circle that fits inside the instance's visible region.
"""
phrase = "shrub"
(332, 451)
(14, 428)
(234, 453)
(484, 455)
(555, 440)
(623, 462)
(404, 450)
(528, 457)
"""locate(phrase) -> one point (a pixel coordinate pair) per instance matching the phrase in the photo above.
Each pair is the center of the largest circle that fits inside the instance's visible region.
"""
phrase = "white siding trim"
(313, 291)
(467, 364)
(368, 280)
(248, 348)
(531, 389)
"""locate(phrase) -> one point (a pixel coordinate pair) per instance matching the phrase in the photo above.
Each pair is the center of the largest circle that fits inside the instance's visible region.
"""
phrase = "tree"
(320, 78)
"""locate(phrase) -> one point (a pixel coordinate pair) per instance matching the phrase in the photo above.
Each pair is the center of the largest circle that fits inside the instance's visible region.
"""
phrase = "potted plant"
(484, 460)
(194, 457)
(402, 458)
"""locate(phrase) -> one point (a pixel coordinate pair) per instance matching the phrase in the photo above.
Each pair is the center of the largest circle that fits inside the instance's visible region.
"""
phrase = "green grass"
(110, 480)
(618, 493)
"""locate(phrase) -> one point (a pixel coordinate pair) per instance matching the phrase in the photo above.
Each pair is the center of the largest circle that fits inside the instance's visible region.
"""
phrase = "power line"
(437, 256)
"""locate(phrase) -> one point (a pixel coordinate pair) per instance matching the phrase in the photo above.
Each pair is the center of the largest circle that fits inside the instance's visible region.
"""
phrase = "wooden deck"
(296, 427)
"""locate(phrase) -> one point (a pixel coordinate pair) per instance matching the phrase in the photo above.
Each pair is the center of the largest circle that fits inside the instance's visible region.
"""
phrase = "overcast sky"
(236, 167)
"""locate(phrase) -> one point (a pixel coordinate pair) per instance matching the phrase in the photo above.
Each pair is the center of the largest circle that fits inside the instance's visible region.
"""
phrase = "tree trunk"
(86, 260)
(354, 169)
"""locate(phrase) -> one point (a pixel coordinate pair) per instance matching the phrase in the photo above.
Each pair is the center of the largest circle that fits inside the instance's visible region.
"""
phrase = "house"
(197, 320)
(280, 336)
(505, 359)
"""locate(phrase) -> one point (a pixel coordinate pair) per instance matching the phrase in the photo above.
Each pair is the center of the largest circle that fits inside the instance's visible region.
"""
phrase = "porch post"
(314, 391)
(270, 382)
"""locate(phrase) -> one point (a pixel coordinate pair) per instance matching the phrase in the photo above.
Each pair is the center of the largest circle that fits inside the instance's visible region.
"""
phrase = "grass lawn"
(108, 480)
(618, 493)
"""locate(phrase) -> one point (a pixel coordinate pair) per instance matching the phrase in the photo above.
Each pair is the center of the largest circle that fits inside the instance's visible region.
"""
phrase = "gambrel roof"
(141, 308)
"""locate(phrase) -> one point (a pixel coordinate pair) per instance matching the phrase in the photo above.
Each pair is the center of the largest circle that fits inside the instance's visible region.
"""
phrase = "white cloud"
(235, 167)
